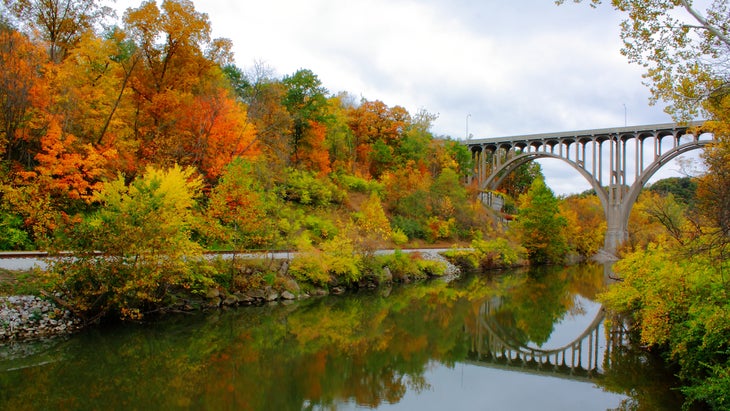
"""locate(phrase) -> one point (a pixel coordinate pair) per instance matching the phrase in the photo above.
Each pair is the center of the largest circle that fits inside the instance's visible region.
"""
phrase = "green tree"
(541, 226)
(521, 179)
(682, 188)
(306, 101)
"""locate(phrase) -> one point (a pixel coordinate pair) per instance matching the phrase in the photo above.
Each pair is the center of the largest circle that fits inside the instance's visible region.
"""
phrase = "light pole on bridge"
(467, 126)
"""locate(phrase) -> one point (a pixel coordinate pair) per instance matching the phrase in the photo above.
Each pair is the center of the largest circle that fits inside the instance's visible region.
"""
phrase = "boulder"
(386, 277)
(244, 298)
(284, 268)
(230, 300)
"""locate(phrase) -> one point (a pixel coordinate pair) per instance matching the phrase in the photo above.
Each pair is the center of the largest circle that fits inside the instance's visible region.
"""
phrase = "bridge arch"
(579, 356)
(496, 158)
(635, 190)
(494, 181)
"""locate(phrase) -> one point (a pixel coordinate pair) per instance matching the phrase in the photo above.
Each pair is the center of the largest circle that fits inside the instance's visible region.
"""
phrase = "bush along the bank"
(497, 253)
(70, 305)
(314, 273)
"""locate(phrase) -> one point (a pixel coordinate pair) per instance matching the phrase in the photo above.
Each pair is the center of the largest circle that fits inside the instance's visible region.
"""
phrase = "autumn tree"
(540, 224)
(407, 197)
(59, 23)
(586, 223)
(144, 231)
(66, 168)
(313, 153)
(22, 90)
(372, 122)
(88, 87)
(181, 61)
(216, 131)
(264, 95)
(373, 224)
(306, 101)
(713, 197)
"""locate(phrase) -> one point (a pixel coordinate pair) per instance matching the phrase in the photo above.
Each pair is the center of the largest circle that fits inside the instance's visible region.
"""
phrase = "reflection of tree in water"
(644, 378)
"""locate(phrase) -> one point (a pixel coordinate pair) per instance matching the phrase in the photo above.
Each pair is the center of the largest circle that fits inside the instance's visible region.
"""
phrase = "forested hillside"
(89, 107)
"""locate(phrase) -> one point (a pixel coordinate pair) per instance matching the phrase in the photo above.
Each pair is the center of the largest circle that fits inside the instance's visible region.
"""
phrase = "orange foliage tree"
(372, 122)
(216, 131)
(22, 89)
(68, 168)
(312, 151)
(176, 71)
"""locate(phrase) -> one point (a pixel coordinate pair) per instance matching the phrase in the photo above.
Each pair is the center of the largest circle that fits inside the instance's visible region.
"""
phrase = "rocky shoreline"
(27, 317)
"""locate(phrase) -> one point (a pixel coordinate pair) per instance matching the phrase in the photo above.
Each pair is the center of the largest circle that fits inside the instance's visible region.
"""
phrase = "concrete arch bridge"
(617, 162)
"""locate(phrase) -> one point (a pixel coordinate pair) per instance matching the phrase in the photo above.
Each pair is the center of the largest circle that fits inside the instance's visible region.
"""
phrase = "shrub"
(337, 261)
(410, 227)
(143, 233)
(399, 237)
(320, 227)
(359, 184)
(403, 266)
(14, 237)
(305, 188)
(431, 268)
(498, 252)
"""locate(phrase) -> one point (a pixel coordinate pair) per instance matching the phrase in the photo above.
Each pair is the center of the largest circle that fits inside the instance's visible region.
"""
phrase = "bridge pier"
(617, 231)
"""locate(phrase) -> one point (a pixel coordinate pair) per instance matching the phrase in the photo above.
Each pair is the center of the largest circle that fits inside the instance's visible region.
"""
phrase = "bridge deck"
(582, 133)
(582, 375)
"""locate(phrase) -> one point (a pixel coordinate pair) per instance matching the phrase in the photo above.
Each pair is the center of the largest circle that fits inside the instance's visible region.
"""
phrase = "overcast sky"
(496, 67)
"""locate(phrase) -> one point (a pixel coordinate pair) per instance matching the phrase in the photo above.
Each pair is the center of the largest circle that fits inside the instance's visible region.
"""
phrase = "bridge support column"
(617, 231)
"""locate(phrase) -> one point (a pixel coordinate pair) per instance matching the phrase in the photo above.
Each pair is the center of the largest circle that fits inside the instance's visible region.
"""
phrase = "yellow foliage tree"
(143, 233)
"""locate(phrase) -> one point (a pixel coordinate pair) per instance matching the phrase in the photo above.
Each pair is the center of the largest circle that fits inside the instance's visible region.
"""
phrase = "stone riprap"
(451, 272)
(29, 317)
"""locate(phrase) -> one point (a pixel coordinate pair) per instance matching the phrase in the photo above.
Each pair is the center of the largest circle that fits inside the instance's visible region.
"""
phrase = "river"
(483, 342)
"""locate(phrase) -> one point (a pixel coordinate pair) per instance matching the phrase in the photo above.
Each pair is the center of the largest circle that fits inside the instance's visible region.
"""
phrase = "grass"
(20, 282)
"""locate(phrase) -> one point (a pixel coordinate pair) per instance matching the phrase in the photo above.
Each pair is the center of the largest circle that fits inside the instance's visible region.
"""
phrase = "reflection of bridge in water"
(587, 356)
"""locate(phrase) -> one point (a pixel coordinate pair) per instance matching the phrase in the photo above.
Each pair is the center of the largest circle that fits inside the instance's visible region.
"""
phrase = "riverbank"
(28, 317)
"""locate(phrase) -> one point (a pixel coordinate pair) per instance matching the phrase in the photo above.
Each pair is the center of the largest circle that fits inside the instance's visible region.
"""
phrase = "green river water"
(482, 342)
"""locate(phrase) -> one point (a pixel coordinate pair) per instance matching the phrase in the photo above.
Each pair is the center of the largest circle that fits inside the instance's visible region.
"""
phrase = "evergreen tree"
(541, 226)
